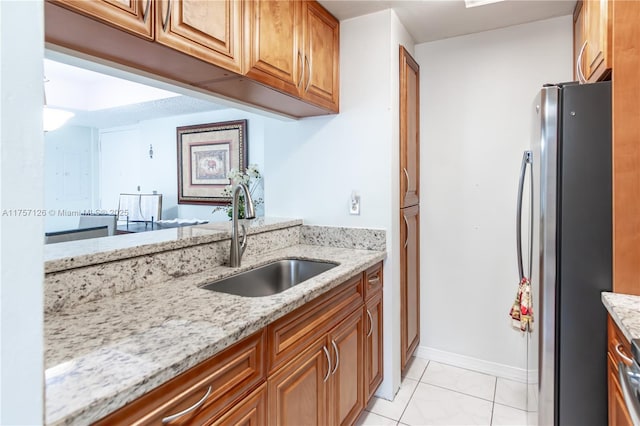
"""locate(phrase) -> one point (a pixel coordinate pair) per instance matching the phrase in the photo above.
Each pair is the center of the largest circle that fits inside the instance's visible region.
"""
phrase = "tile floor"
(433, 393)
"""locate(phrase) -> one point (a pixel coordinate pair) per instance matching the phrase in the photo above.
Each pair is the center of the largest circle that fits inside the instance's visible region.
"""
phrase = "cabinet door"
(409, 283)
(134, 16)
(347, 374)
(251, 411)
(274, 49)
(208, 30)
(321, 38)
(598, 35)
(297, 392)
(409, 130)
(373, 345)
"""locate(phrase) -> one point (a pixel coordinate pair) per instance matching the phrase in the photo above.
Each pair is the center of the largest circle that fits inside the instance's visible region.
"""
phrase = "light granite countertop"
(101, 355)
(75, 254)
(625, 312)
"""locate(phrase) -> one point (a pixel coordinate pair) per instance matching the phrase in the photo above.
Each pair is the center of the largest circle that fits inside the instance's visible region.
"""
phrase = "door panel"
(409, 283)
(297, 392)
(208, 30)
(134, 16)
(373, 345)
(348, 371)
(321, 35)
(409, 130)
(274, 47)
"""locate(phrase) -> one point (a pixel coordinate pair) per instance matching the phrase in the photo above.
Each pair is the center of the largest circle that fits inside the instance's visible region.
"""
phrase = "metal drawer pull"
(370, 323)
(625, 358)
(309, 65)
(406, 173)
(165, 23)
(374, 280)
(581, 77)
(301, 70)
(335, 348)
(326, 353)
(188, 410)
(406, 241)
(145, 14)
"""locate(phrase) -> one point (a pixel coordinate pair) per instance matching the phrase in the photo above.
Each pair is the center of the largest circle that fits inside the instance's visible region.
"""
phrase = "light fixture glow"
(53, 118)
(474, 3)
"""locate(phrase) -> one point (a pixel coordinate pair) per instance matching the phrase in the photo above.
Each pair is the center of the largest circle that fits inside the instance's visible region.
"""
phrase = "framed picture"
(206, 154)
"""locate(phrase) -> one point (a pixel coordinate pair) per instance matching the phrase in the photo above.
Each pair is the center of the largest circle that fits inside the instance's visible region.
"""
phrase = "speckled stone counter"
(625, 311)
(103, 354)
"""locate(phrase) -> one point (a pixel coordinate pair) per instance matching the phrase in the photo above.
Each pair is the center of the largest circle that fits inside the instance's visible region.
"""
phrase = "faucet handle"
(243, 244)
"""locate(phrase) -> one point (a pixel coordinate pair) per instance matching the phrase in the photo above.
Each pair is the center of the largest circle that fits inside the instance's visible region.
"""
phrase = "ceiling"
(102, 100)
(429, 20)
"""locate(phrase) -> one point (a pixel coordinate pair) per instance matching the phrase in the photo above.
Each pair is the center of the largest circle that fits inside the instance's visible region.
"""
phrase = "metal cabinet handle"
(335, 348)
(374, 280)
(301, 70)
(581, 77)
(165, 23)
(406, 173)
(188, 410)
(406, 240)
(309, 68)
(326, 353)
(625, 358)
(370, 323)
(145, 14)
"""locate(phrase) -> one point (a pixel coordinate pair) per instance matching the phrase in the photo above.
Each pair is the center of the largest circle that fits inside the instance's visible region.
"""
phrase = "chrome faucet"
(237, 249)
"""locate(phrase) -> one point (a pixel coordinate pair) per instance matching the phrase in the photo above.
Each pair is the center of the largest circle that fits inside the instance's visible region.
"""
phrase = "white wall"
(21, 237)
(70, 175)
(160, 172)
(477, 94)
(313, 165)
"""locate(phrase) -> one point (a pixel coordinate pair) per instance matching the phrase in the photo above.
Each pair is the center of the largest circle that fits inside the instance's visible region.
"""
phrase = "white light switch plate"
(354, 205)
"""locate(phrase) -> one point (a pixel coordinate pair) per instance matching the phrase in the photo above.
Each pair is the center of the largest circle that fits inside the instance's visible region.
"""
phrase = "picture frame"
(206, 154)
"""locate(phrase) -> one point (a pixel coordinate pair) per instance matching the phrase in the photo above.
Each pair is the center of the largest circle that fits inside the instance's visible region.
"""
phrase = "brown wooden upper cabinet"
(592, 40)
(134, 16)
(409, 130)
(208, 30)
(294, 46)
(280, 55)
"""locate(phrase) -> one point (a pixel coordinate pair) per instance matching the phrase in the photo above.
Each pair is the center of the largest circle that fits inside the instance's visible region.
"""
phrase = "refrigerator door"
(545, 166)
(584, 261)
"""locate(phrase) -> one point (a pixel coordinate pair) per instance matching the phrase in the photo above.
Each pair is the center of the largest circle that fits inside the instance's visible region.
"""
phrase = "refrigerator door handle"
(526, 159)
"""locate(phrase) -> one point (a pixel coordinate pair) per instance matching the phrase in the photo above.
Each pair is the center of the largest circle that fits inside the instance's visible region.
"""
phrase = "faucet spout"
(237, 248)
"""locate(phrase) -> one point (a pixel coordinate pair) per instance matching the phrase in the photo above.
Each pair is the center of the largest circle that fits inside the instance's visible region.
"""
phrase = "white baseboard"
(480, 365)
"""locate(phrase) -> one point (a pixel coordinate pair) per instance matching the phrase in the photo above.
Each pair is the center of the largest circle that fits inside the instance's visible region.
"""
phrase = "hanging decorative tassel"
(522, 310)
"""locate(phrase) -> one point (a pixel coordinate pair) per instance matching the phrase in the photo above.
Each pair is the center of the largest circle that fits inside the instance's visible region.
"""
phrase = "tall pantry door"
(409, 206)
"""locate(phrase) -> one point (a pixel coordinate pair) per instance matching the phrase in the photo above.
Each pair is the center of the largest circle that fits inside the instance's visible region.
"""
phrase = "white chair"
(145, 208)
(91, 221)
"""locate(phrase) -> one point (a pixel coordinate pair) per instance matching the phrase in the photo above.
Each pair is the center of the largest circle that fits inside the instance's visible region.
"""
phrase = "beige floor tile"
(508, 416)
(394, 409)
(461, 380)
(433, 405)
(415, 368)
(371, 419)
(511, 393)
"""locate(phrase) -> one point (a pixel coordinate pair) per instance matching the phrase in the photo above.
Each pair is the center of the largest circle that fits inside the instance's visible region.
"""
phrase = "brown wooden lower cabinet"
(409, 283)
(297, 391)
(618, 413)
(325, 358)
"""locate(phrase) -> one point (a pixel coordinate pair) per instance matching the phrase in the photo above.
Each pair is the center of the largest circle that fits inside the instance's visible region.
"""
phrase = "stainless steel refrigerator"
(569, 225)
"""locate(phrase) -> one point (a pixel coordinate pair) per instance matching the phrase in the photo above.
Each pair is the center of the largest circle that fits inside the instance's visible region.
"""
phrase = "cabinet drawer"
(289, 335)
(213, 385)
(372, 281)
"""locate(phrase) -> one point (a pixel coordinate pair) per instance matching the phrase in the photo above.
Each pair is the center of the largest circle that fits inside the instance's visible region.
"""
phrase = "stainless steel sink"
(270, 279)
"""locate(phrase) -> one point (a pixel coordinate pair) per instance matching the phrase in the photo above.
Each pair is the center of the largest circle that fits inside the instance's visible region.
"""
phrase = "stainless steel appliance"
(629, 375)
(571, 253)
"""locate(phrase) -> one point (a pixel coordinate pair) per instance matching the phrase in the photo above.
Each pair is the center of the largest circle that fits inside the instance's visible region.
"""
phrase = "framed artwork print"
(206, 154)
